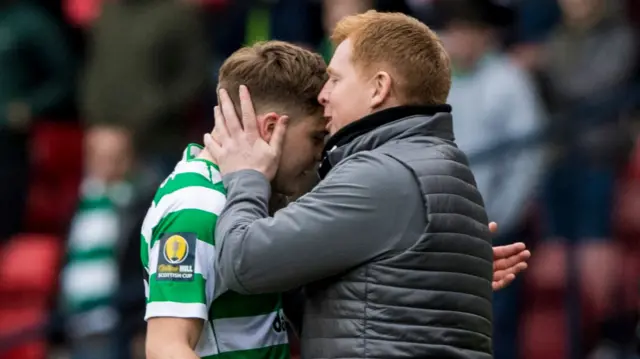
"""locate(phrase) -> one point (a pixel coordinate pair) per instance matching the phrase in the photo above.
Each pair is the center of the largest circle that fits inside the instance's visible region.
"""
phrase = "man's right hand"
(236, 145)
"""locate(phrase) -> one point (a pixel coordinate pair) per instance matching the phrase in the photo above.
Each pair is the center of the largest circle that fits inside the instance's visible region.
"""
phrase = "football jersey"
(178, 255)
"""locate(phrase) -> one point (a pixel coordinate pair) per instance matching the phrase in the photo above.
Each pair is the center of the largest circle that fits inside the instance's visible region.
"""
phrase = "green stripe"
(177, 291)
(89, 204)
(190, 220)
(234, 305)
(212, 166)
(88, 304)
(185, 180)
(281, 351)
(92, 254)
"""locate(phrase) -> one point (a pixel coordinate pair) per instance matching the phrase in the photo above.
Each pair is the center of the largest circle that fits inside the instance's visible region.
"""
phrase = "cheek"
(343, 98)
(305, 156)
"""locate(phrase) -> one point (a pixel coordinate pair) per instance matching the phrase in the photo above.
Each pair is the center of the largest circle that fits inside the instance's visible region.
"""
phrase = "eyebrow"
(331, 71)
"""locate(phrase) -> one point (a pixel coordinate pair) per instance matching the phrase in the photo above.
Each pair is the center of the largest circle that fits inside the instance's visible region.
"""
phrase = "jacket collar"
(380, 127)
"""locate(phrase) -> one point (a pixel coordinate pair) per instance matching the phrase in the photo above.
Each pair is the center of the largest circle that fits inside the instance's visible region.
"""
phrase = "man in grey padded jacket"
(394, 239)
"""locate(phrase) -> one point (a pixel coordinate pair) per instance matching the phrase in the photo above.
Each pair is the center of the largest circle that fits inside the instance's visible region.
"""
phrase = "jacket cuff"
(250, 181)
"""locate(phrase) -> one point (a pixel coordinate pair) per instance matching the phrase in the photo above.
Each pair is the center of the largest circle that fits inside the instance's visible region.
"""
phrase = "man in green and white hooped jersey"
(178, 257)
(189, 314)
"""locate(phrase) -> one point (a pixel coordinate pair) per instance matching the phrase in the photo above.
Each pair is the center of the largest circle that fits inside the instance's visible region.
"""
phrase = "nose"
(323, 96)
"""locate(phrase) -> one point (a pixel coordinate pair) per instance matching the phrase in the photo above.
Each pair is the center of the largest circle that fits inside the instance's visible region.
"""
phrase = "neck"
(276, 202)
(204, 155)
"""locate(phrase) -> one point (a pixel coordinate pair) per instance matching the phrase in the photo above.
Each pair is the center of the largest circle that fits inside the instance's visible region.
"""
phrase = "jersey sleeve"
(180, 277)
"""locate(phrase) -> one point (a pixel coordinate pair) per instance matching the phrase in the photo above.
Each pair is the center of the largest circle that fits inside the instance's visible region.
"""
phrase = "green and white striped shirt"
(178, 255)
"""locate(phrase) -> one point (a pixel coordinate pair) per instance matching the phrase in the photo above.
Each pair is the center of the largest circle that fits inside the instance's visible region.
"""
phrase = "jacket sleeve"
(351, 217)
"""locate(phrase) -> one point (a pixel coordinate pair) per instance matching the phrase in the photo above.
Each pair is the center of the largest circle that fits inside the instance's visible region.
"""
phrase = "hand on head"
(236, 144)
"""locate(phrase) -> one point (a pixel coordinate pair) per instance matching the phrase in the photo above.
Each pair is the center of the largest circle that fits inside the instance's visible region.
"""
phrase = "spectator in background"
(36, 70)
(496, 109)
(424, 10)
(146, 69)
(333, 11)
(90, 276)
(588, 63)
(592, 30)
(535, 21)
(99, 249)
(289, 21)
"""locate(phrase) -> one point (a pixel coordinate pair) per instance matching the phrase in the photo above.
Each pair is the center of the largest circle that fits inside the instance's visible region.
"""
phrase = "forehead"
(341, 57)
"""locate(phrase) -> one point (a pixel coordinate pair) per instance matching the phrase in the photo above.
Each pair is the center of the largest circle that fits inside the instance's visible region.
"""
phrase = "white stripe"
(94, 228)
(153, 258)
(248, 332)
(147, 225)
(194, 197)
(176, 310)
(146, 287)
(215, 175)
(197, 167)
(205, 254)
(206, 267)
(84, 280)
(207, 343)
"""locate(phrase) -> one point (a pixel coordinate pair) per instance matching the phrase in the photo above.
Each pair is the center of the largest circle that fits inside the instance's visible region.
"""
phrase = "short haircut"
(402, 46)
(280, 76)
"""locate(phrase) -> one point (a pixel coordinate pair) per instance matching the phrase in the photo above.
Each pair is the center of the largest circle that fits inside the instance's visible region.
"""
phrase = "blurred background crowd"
(99, 97)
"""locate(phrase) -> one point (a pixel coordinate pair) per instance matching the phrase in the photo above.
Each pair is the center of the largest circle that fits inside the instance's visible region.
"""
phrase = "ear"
(381, 89)
(266, 125)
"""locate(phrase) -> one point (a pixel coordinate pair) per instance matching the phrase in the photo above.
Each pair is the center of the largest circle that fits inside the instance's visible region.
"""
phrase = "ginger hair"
(402, 46)
(281, 77)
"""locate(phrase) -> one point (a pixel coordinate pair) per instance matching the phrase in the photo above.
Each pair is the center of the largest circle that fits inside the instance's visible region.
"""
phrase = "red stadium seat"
(19, 321)
(543, 323)
(627, 228)
(30, 267)
(56, 172)
(627, 216)
(543, 333)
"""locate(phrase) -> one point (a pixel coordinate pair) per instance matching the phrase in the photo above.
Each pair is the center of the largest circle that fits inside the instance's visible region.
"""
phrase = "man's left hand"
(237, 145)
(508, 261)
